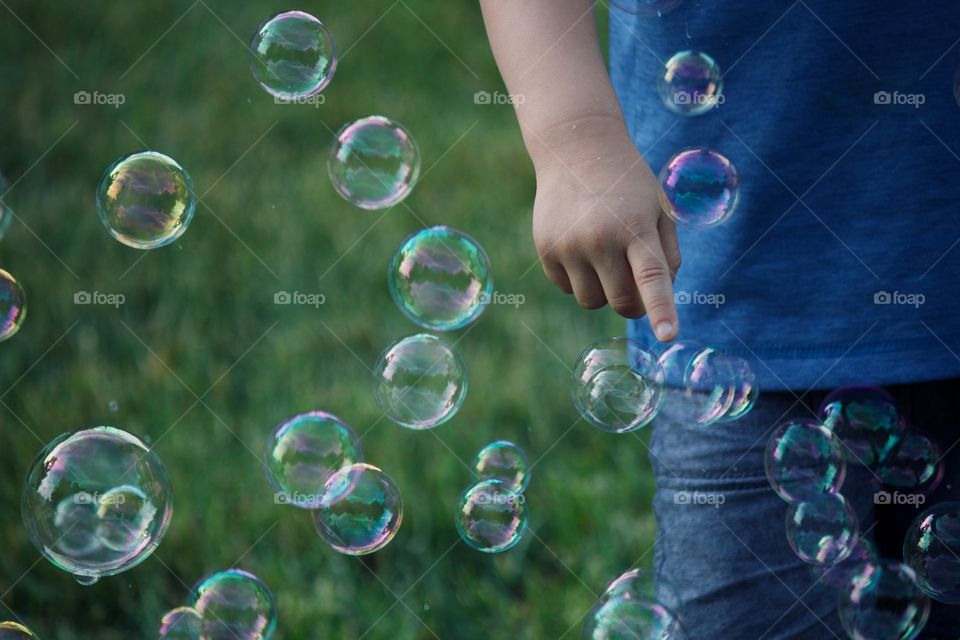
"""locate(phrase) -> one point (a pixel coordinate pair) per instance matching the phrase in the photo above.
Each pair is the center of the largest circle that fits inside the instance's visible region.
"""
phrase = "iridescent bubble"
(15, 631)
(646, 7)
(6, 213)
(884, 604)
(490, 517)
(420, 381)
(822, 530)
(503, 461)
(120, 495)
(804, 460)
(617, 385)
(303, 453)
(146, 200)
(746, 390)
(915, 464)
(440, 278)
(374, 163)
(13, 306)
(293, 55)
(365, 517)
(182, 623)
(235, 605)
(840, 575)
(699, 187)
(690, 83)
(634, 605)
(932, 549)
(866, 421)
(711, 384)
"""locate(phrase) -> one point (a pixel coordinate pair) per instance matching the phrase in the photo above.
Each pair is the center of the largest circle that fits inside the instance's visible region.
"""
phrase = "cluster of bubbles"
(492, 514)
(13, 306)
(15, 631)
(96, 502)
(618, 386)
(699, 187)
(806, 463)
(635, 606)
(314, 461)
(293, 55)
(228, 605)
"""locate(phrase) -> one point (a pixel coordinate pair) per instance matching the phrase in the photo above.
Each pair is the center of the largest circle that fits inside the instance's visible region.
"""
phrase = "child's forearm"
(547, 52)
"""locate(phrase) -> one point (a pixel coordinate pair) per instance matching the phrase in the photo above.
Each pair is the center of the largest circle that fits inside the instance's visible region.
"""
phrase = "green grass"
(199, 319)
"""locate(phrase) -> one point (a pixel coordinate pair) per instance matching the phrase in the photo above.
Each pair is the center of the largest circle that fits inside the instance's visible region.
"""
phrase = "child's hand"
(598, 225)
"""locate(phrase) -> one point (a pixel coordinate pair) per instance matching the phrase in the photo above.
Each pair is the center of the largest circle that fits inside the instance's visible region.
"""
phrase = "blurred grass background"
(199, 320)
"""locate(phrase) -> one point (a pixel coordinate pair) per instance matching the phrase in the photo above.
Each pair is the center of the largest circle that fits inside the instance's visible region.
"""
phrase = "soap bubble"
(374, 163)
(884, 604)
(96, 502)
(617, 385)
(15, 631)
(366, 516)
(699, 187)
(915, 464)
(13, 306)
(235, 605)
(490, 517)
(182, 623)
(146, 200)
(840, 575)
(293, 55)
(702, 384)
(822, 530)
(440, 278)
(866, 421)
(634, 606)
(6, 213)
(690, 83)
(932, 549)
(503, 461)
(303, 453)
(804, 460)
(420, 381)
(746, 390)
(646, 7)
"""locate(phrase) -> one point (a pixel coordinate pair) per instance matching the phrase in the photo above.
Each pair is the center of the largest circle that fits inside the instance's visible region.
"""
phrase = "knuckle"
(590, 300)
(649, 272)
(626, 305)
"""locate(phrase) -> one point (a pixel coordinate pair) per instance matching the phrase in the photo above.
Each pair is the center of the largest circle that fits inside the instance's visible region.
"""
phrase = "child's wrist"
(577, 140)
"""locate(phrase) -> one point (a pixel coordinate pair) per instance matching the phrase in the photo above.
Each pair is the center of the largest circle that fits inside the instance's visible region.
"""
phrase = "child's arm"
(597, 221)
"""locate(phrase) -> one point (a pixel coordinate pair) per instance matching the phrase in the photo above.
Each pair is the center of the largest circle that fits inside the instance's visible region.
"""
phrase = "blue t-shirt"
(858, 283)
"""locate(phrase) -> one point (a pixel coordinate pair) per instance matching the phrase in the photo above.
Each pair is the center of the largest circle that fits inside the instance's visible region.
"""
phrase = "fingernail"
(663, 330)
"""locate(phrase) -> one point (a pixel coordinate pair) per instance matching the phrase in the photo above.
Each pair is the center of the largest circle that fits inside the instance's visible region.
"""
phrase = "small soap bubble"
(503, 461)
(866, 421)
(113, 406)
(293, 55)
(146, 200)
(822, 530)
(303, 453)
(96, 502)
(840, 575)
(490, 517)
(15, 631)
(804, 460)
(13, 306)
(182, 623)
(374, 163)
(86, 580)
(635, 605)
(235, 605)
(915, 464)
(690, 83)
(617, 385)
(365, 516)
(6, 213)
(884, 603)
(440, 278)
(699, 187)
(932, 549)
(420, 381)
